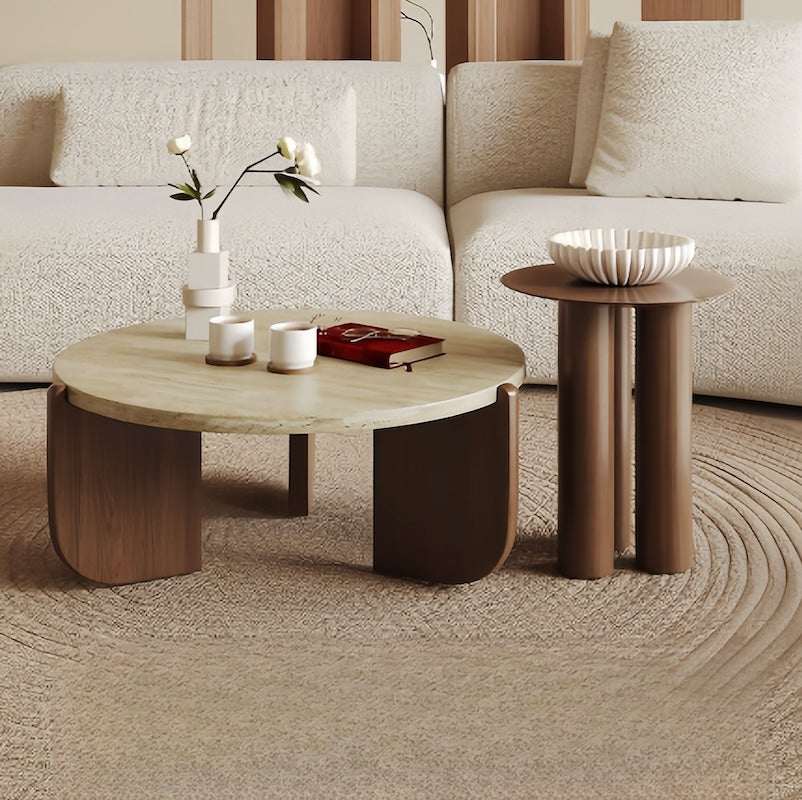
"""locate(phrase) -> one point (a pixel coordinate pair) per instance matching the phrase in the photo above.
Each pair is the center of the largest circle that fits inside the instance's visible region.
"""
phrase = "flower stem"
(242, 175)
(198, 200)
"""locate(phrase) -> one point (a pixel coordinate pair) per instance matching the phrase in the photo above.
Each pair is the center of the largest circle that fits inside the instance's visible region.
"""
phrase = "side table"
(595, 431)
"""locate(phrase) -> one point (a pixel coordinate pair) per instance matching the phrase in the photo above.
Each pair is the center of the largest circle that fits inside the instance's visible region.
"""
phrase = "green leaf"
(285, 183)
(195, 179)
(291, 170)
(190, 190)
(209, 194)
(182, 196)
(299, 193)
(310, 187)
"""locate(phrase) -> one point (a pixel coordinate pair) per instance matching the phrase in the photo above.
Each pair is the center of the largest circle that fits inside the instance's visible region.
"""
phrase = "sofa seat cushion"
(748, 344)
(76, 261)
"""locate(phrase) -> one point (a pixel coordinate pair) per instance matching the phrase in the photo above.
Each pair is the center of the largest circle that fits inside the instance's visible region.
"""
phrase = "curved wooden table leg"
(445, 494)
(623, 428)
(586, 498)
(124, 499)
(664, 402)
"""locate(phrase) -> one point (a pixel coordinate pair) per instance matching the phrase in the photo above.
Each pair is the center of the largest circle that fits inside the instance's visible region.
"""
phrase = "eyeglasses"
(360, 334)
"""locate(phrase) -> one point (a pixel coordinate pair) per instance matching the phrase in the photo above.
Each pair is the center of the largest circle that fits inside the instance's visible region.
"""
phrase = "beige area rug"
(287, 669)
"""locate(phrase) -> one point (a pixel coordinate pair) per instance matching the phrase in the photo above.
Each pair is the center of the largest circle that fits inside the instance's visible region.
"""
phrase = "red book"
(377, 347)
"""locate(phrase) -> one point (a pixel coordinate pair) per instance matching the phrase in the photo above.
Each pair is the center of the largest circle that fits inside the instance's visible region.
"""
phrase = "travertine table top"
(150, 375)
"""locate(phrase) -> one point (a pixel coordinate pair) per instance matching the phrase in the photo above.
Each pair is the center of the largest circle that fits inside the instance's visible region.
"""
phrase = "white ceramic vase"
(208, 291)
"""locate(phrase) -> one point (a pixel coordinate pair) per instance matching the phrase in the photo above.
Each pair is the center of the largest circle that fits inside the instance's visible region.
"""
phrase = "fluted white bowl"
(621, 257)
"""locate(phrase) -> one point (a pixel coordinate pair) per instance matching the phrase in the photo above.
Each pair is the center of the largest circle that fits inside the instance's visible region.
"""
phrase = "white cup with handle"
(231, 340)
(293, 347)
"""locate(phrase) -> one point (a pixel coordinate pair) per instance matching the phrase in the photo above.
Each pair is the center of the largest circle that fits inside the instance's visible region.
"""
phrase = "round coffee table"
(127, 408)
(595, 432)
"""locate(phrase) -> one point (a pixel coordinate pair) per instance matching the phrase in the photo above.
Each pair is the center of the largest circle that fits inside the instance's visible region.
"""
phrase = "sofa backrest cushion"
(510, 125)
(113, 130)
(701, 110)
(399, 113)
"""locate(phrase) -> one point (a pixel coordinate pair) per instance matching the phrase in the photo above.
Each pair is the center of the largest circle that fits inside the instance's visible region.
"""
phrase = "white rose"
(310, 168)
(304, 152)
(179, 145)
(307, 162)
(287, 146)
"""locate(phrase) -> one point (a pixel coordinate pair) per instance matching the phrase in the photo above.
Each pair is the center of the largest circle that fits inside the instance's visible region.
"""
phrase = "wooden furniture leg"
(124, 499)
(302, 473)
(624, 452)
(663, 401)
(445, 494)
(586, 503)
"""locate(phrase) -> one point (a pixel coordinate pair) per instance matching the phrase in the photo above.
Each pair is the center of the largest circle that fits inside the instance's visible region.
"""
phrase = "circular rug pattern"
(287, 669)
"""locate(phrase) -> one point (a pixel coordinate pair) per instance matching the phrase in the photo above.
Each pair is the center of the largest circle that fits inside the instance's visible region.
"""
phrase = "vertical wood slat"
(653, 10)
(518, 30)
(385, 30)
(290, 30)
(482, 30)
(328, 29)
(576, 19)
(511, 30)
(196, 29)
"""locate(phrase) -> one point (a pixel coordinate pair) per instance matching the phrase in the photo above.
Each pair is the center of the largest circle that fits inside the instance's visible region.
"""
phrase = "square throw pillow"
(701, 110)
(589, 105)
(114, 132)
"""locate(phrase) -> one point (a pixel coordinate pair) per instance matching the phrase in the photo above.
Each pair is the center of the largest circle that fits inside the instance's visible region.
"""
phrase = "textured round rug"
(287, 669)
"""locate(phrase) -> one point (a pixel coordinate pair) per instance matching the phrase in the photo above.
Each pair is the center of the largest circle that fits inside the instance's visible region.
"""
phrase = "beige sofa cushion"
(589, 105)
(509, 125)
(747, 344)
(399, 110)
(106, 257)
(113, 130)
(701, 110)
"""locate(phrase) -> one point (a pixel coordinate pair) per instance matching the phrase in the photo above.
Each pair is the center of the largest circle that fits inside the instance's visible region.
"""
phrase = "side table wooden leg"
(624, 452)
(586, 504)
(445, 494)
(663, 399)
(302, 473)
(124, 499)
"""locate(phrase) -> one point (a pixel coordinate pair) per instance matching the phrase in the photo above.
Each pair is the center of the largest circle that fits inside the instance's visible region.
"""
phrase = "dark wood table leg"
(124, 499)
(663, 400)
(445, 494)
(586, 504)
(624, 451)
(302, 473)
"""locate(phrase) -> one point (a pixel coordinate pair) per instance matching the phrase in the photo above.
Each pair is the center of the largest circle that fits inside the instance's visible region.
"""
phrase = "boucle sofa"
(77, 260)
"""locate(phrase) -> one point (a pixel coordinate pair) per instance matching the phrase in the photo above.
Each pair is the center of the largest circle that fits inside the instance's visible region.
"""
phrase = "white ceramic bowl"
(621, 257)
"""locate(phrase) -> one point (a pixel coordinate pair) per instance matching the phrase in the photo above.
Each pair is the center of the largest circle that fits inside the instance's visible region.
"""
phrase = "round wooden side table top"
(151, 375)
(552, 283)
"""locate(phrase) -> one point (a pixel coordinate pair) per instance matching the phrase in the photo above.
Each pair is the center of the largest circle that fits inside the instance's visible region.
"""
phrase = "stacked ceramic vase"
(208, 292)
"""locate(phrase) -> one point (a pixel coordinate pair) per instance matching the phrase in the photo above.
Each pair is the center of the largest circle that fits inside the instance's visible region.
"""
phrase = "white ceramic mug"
(231, 337)
(293, 346)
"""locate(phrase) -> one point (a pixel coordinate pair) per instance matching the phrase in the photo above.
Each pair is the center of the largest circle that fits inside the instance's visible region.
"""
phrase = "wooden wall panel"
(482, 30)
(513, 30)
(518, 30)
(691, 9)
(196, 29)
(328, 29)
(456, 32)
(385, 30)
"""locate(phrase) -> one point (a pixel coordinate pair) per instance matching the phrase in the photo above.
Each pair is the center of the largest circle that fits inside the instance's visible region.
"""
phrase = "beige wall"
(604, 13)
(90, 30)
(773, 9)
(413, 43)
(234, 29)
